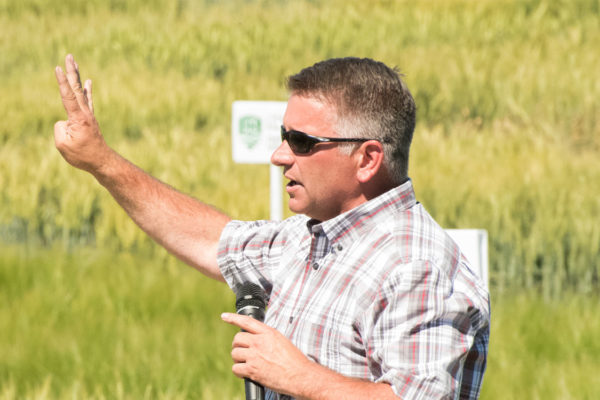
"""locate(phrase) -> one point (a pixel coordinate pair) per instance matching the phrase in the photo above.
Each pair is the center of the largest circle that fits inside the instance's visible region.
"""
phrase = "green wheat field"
(507, 140)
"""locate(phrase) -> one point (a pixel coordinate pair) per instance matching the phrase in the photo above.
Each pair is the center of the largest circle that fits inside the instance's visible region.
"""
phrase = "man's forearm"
(183, 225)
(186, 227)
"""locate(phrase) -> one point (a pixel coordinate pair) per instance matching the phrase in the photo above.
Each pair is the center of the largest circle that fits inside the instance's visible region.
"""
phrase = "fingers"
(244, 356)
(244, 322)
(74, 100)
(87, 93)
(243, 340)
(75, 81)
(240, 354)
(242, 368)
(66, 93)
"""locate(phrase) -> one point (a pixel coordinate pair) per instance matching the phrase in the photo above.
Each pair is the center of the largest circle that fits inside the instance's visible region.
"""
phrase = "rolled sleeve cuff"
(410, 386)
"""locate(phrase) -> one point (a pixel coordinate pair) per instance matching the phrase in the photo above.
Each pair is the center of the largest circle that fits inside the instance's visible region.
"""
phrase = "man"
(368, 297)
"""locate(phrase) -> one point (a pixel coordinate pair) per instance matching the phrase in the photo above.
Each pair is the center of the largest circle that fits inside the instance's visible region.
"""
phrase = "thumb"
(60, 134)
(60, 128)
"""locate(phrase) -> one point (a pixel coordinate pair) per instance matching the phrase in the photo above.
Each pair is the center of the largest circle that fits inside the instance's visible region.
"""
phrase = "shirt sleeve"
(249, 251)
(421, 333)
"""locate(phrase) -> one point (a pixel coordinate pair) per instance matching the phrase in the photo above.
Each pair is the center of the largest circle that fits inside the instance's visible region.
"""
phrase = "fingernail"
(225, 316)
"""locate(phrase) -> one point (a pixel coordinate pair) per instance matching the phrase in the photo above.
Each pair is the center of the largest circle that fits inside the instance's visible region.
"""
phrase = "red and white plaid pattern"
(380, 293)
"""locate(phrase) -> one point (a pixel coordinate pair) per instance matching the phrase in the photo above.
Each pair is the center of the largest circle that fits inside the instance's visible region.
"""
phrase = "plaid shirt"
(380, 292)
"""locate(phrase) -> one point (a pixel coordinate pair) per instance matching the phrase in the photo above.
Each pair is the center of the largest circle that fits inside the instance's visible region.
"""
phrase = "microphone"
(251, 302)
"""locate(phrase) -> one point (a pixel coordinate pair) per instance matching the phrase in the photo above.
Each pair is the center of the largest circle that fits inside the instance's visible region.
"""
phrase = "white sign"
(256, 130)
(474, 244)
(255, 134)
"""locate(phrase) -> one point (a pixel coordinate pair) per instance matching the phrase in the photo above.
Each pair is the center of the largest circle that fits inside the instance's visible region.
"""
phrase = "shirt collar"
(349, 223)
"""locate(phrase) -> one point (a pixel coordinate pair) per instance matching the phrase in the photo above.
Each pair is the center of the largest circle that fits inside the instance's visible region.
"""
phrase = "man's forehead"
(308, 110)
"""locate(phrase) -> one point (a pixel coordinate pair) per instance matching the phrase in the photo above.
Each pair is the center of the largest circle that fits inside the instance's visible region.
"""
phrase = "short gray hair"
(371, 100)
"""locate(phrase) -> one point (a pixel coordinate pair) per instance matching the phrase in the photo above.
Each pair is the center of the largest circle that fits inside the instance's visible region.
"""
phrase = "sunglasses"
(302, 143)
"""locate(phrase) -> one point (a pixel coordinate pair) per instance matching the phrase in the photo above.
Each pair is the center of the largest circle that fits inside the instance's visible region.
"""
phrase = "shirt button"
(315, 265)
(340, 247)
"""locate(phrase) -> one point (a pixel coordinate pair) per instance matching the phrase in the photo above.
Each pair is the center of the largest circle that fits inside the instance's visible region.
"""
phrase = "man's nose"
(283, 155)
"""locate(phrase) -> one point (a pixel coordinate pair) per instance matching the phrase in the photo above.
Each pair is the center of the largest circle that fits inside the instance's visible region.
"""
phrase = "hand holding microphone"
(261, 353)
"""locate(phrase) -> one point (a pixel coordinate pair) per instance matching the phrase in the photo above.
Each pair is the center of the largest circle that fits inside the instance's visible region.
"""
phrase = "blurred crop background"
(507, 140)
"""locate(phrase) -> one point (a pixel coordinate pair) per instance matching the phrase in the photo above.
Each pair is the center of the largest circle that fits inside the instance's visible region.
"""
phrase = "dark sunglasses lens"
(299, 142)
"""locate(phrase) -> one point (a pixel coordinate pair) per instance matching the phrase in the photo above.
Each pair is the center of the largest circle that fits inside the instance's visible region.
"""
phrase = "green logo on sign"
(250, 130)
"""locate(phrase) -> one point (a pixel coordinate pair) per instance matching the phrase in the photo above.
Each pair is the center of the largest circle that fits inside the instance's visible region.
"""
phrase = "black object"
(302, 143)
(251, 301)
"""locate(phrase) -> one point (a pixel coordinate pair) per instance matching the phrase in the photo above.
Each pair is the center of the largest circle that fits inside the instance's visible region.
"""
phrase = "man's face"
(322, 183)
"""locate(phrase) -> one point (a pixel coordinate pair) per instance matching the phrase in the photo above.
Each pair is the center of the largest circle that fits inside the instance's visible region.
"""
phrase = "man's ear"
(370, 160)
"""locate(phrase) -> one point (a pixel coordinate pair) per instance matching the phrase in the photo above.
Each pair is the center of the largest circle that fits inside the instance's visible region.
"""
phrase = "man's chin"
(296, 207)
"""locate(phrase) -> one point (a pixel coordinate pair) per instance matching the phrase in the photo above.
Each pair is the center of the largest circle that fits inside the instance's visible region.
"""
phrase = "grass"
(91, 324)
(95, 324)
(543, 350)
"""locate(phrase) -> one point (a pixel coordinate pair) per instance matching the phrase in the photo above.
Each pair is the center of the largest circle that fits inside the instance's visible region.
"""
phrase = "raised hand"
(78, 139)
